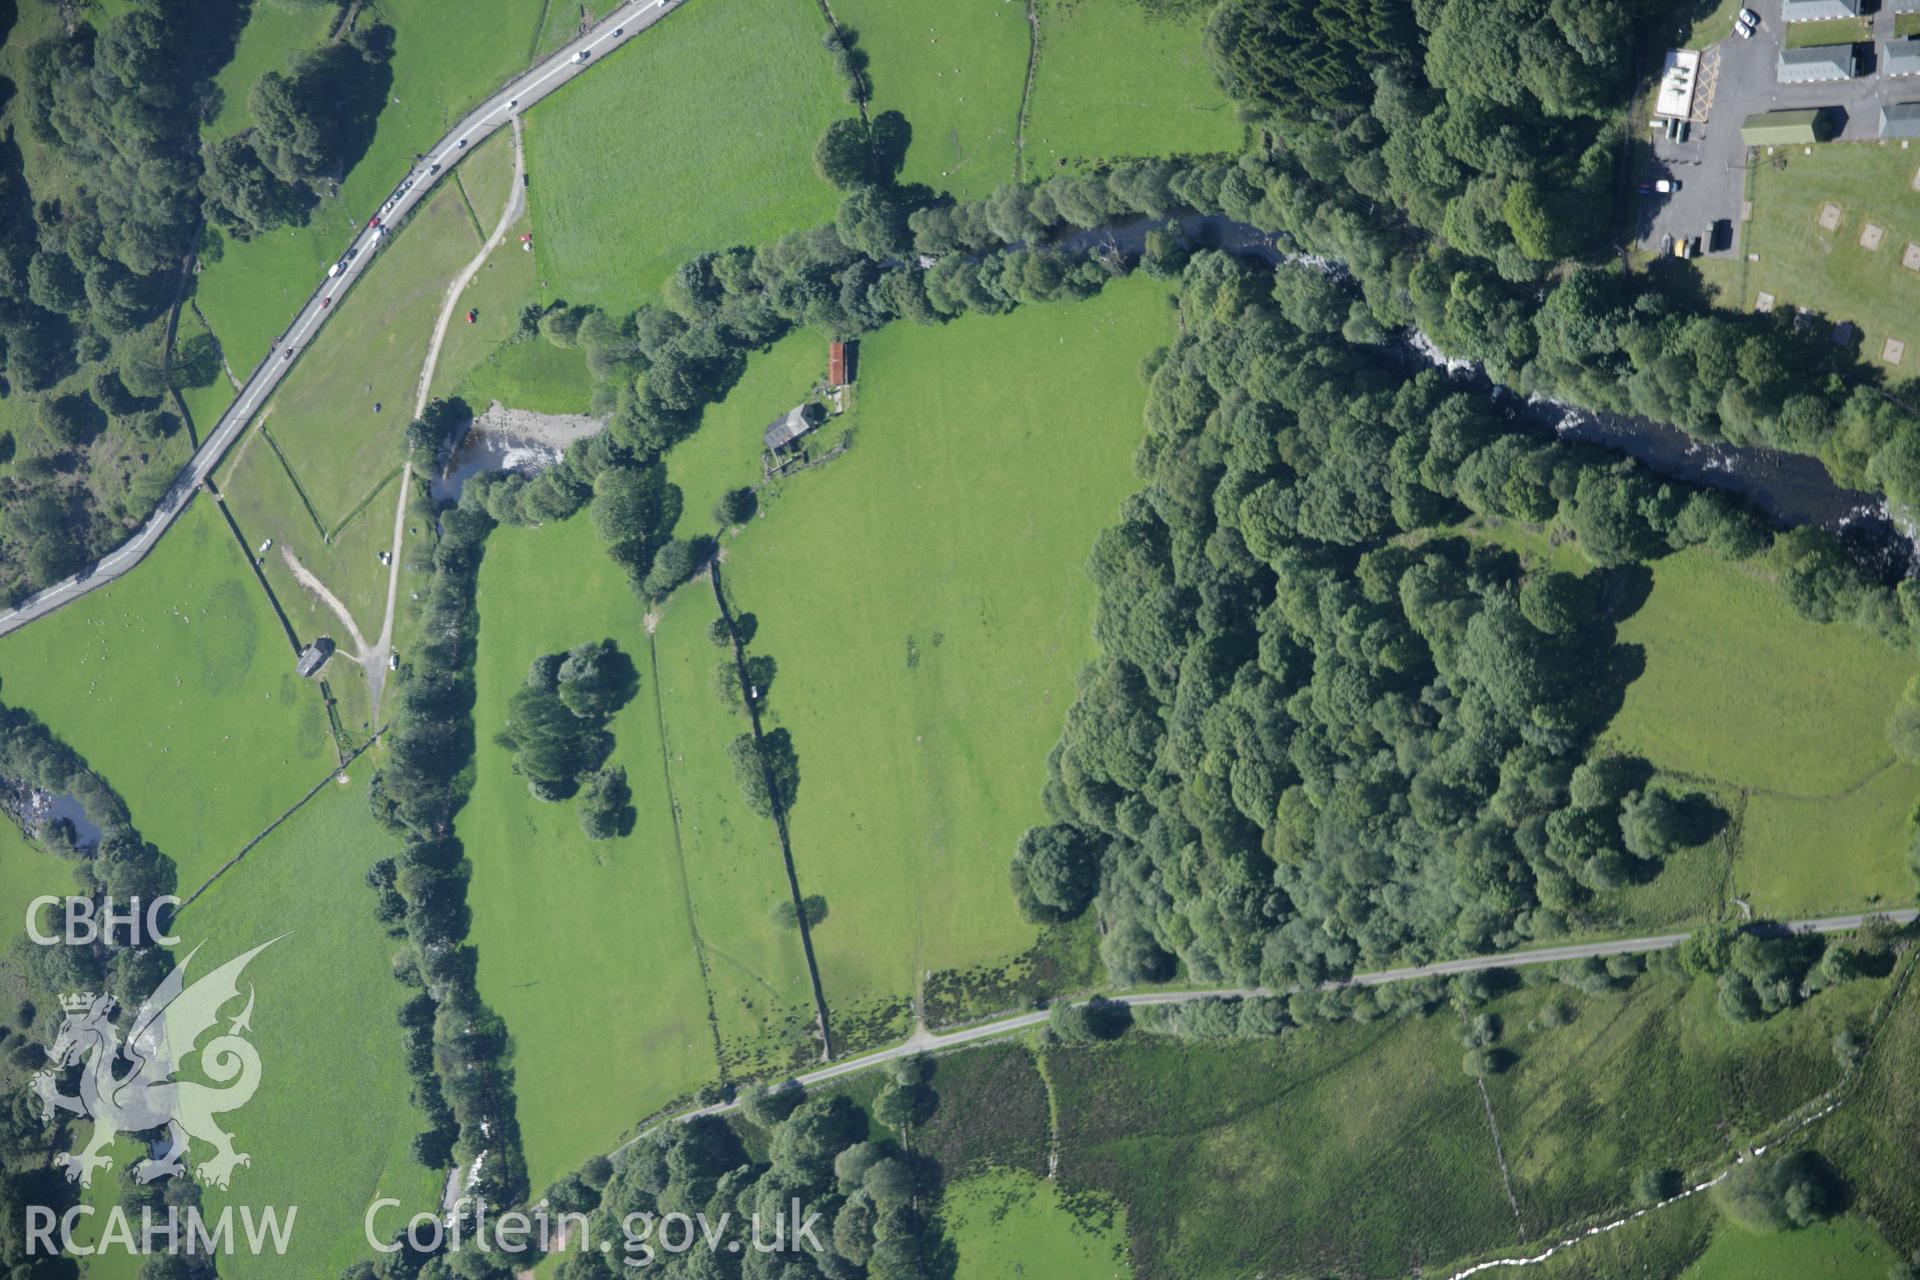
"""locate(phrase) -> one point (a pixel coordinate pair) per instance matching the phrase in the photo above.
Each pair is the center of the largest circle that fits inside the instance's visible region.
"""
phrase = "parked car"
(1742, 30)
(1748, 19)
(1666, 186)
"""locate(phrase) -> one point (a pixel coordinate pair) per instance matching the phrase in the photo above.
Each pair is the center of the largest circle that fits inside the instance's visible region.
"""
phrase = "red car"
(374, 221)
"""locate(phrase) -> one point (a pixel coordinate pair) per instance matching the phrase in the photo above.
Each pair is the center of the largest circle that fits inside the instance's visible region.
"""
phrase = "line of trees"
(457, 1046)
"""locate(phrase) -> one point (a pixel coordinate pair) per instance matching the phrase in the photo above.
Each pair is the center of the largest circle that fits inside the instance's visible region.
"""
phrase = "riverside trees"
(1322, 733)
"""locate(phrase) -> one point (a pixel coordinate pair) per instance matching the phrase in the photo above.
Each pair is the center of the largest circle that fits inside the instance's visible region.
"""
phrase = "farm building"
(1900, 120)
(1902, 58)
(1780, 128)
(314, 657)
(1820, 63)
(839, 364)
(791, 425)
(1819, 10)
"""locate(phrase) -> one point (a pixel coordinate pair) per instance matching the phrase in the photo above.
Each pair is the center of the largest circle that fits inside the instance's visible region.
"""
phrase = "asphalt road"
(1712, 164)
(482, 122)
(924, 1041)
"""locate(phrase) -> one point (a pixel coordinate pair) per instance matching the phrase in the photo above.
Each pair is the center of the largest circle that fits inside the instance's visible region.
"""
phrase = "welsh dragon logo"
(144, 1095)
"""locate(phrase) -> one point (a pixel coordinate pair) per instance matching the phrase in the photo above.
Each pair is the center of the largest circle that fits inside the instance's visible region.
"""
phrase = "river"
(1791, 488)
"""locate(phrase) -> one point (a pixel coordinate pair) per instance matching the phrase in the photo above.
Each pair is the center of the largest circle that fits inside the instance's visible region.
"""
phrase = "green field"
(177, 685)
(713, 116)
(323, 1022)
(735, 877)
(725, 452)
(1870, 1139)
(1802, 857)
(1115, 81)
(1006, 1225)
(1842, 1249)
(1761, 701)
(1354, 1150)
(274, 38)
(327, 492)
(1802, 265)
(443, 63)
(955, 69)
(925, 600)
(585, 947)
(1367, 1150)
(1652, 1077)
(481, 361)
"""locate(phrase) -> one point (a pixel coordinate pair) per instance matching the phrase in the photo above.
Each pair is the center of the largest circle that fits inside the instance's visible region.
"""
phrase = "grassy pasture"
(585, 947)
(1357, 1150)
(725, 452)
(1801, 857)
(1739, 688)
(443, 63)
(1871, 1138)
(1006, 1224)
(1740, 691)
(324, 1026)
(756, 970)
(326, 425)
(1802, 265)
(1654, 1076)
(177, 684)
(482, 362)
(273, 40)
(322, 486)
(955, 69)
(1840, 1249)
(1116, 80)
(925, 598)
(714, 115)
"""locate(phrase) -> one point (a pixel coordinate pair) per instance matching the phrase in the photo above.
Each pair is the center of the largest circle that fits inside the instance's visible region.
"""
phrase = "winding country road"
(924, 1041)
(483, 121)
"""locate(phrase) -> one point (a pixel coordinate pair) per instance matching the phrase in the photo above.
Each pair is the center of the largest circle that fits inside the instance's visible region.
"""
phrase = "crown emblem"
(78, 1002)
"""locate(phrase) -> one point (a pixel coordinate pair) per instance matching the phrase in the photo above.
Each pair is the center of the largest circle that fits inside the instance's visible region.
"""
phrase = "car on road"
(583, 55)
(432, 168)
(619, 31)
(512, 103)
(327, 301)
(334, 270)
(288, 355)
(463, 144)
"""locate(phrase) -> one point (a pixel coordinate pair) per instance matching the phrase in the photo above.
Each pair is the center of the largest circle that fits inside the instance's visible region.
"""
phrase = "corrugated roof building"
(1902, 58)
(1900, 120)
(1780, 128)
(1822, 62)
(1818, 10)
(791, 425)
